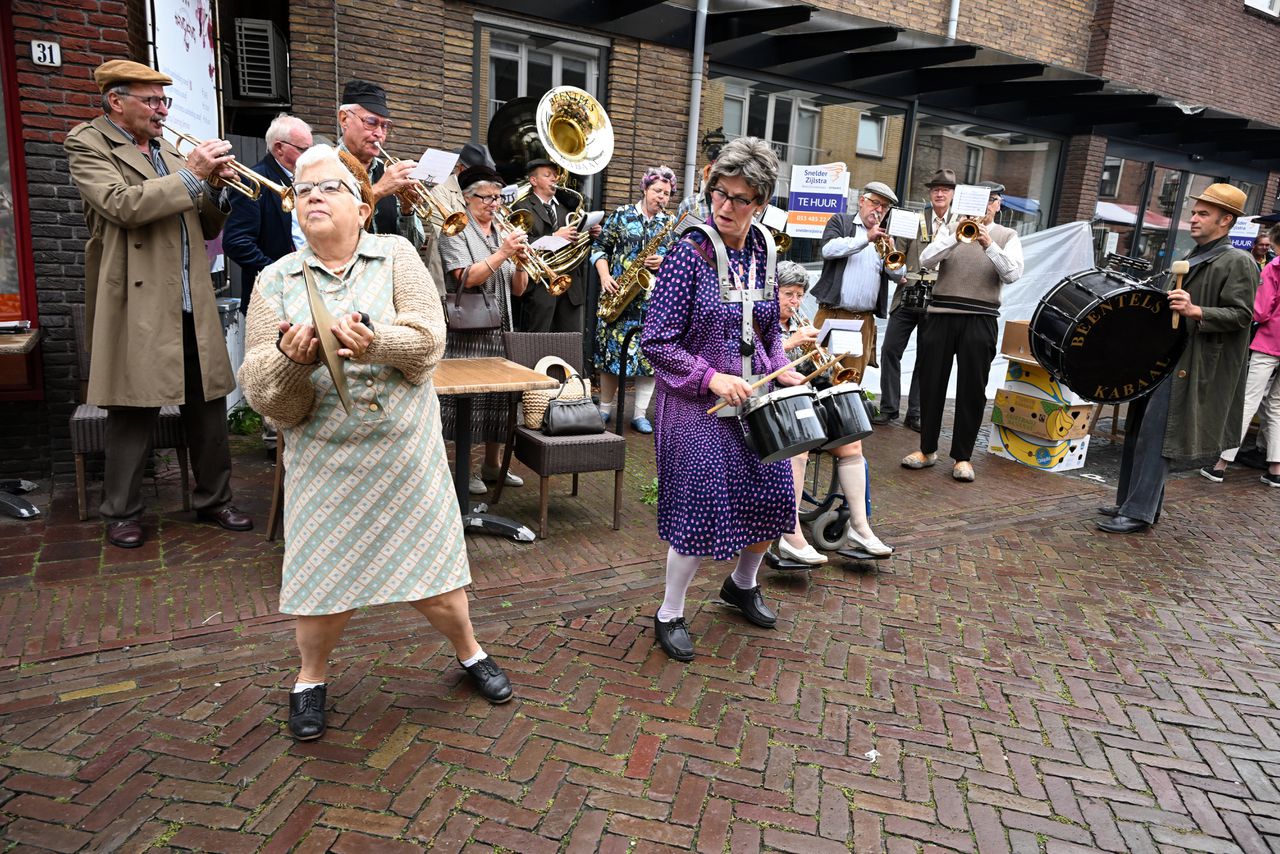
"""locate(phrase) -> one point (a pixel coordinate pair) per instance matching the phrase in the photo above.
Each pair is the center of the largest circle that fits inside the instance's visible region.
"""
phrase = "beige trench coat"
(133, 276)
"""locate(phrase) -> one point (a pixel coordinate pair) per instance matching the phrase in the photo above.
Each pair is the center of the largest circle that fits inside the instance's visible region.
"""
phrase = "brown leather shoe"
(125, 535)
(228, 517)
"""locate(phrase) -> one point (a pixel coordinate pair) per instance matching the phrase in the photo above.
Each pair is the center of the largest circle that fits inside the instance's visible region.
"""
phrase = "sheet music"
(435, 166)
(904, 224)
(970, 200)
(841, 335)
(549, 243)
(593, 219)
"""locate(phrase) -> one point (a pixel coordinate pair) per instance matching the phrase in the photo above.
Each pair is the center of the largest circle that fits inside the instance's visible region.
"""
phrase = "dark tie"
(551, 211)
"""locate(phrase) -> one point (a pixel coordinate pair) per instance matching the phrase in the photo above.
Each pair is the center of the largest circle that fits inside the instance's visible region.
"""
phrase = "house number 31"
(46, 53)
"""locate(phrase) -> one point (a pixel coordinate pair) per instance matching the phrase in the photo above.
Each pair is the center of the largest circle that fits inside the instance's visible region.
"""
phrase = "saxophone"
(634, 279)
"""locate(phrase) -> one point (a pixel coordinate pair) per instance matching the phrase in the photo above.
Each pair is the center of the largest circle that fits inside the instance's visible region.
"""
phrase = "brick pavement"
(1026, 685)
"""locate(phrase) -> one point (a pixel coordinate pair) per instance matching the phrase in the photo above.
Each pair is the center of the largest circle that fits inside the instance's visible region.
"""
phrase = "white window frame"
(1119, 164)
(882, 125)
(742, 95)
(1266, 7)
(585, 52)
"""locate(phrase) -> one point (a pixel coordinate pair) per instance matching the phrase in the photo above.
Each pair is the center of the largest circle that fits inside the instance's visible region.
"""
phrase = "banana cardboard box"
(1038, 453)
(1026, 376)
(1034, 416)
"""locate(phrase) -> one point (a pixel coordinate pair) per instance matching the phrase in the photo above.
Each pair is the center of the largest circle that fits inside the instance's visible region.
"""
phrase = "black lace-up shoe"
(490, 680)
(306, 713)
(750, 602)
(674, 638)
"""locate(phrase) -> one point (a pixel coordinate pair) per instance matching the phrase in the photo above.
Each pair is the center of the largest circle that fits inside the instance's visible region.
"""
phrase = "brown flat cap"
(1225, 196)
(119, 71)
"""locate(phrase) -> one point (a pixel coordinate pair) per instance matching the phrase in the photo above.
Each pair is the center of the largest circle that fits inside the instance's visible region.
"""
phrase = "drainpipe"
(695, 97)
(953, 18)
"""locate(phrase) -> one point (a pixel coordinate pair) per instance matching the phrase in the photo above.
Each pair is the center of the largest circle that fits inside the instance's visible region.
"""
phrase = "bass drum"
(782, 424)
(1106, 336)
(844, 415)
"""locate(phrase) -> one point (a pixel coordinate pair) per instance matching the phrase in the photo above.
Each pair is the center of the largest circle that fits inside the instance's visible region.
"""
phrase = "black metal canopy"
(872, 60)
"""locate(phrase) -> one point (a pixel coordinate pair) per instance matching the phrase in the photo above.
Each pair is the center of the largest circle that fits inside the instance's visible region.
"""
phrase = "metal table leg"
(475, 519)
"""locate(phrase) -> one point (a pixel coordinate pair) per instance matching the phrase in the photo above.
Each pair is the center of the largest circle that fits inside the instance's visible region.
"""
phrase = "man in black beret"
(365, 123)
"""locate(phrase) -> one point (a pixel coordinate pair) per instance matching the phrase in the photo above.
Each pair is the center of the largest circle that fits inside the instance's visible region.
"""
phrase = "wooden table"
(18, 344)
(464, 379)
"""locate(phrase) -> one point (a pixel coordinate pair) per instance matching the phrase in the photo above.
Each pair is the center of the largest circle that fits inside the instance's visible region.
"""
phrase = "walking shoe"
(963, 471)
(1112, 510)
(489, 680)
(125, 535)
(476, 486)
(228, 518)
(674, 638)
(491, 475)
(1212, 474)
(912, 422)
(871, 545)
(918, 460)
(604, 416)
(749, 602)
(642, 425)
(1122, 525)
(882, 418)
(1271, 479)
(306, 713)
(808, 554)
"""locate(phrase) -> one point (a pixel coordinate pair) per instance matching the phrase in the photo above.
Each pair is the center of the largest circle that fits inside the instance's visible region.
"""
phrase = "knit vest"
(967, 280)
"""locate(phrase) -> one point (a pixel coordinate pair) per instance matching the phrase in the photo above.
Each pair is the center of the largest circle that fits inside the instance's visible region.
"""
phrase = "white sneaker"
(513, 479)
(476, 486)
(871, 545)
(808, 554)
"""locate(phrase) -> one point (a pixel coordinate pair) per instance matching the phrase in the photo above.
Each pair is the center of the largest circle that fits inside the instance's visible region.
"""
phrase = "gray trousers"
(902, 323)
(129, 431)
(1143, 466)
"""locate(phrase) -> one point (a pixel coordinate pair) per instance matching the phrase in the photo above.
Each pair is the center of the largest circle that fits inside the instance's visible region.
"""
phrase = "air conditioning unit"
(262, 68)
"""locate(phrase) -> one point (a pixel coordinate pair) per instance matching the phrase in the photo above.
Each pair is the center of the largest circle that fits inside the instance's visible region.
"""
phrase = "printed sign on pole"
(817, 193)
(1244, 233)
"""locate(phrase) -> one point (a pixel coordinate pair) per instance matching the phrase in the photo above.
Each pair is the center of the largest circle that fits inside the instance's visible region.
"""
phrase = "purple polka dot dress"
(714, 495)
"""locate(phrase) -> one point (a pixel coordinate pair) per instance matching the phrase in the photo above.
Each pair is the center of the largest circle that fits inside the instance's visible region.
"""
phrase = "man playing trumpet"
(854, 284)
(153, 326)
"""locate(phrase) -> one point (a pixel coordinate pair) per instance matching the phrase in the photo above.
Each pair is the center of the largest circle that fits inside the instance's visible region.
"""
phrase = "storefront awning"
(832, 50)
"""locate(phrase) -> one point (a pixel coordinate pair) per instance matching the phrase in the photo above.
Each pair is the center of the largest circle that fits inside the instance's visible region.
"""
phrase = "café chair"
(548, 456)
(89, 426)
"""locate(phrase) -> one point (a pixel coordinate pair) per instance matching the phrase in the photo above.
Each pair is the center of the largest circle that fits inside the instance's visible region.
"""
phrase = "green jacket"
(1207, 401)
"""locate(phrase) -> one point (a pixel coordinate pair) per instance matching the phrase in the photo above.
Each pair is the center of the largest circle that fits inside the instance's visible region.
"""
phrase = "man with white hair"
(259, 231)
(854, 284)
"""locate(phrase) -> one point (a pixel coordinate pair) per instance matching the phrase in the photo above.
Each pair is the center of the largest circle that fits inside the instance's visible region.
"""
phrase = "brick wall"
(53, 101)
(1079, 191)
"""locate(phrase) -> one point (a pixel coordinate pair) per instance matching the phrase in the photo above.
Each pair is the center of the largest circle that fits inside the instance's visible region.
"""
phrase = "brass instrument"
(967, 230)
(533, 265)
(893, 259)
(418, 197)
(840, 374)
(247, 182)
(781, 239)
(635, 278)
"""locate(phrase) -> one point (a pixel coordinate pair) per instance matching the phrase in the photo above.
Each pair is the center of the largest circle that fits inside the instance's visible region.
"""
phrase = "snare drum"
(782, 424)
(843, 412)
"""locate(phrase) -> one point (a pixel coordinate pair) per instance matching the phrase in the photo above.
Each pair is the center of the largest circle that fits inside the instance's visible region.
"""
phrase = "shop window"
(1109, 184)
(871, 136)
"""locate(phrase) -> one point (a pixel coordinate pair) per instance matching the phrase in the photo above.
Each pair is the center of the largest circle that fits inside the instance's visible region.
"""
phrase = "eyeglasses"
(718, 197)
(152, 101)
(330, 187)
(302, 149)
(488, 200)
(373, 123)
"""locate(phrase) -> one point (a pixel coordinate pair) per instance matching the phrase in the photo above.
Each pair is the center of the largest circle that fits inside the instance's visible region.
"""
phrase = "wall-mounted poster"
(186, 49)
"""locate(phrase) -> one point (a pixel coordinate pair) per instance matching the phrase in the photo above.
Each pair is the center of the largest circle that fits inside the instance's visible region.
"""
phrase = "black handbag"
(571, 417)
(472, 311)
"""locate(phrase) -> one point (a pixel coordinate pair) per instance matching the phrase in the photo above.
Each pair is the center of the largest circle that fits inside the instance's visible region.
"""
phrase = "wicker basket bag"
(534, 403)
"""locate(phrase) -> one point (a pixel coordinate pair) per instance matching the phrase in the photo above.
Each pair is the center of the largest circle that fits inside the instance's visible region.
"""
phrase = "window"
(785, 119)
(17, 288)
(871, 135)
(972, 164)
(1269, 7)
(1109, 185)
(520, 66)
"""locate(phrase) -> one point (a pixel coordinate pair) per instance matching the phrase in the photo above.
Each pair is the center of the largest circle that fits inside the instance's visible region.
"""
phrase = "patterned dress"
(370, 515)
(622, 236)
(714, 495)
(489, 412)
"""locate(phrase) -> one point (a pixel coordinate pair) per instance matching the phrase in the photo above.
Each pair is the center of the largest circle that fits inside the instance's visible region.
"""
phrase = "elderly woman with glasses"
(371, 516)
(623, 236)
(715, 497)
(484, 257)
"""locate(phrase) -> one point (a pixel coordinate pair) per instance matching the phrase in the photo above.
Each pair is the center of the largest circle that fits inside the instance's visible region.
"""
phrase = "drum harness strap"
(747, 295)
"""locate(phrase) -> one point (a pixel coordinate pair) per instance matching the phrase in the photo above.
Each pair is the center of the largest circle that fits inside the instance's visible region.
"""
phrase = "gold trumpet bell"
(895, 260)
(967, 231)
(575, 129)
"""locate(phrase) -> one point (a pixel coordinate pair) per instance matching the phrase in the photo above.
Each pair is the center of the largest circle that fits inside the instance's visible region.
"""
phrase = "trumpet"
(418, 197)
(840, 374)
(967, 230)
(247, 182)
(893, 259)
(533, 264)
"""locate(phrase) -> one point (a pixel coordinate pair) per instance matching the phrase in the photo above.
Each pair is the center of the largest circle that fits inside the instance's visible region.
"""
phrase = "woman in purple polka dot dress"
(715, 498)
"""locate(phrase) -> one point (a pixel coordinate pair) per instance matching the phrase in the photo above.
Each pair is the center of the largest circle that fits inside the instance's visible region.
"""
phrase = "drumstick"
(1179, 269)
(764, 379)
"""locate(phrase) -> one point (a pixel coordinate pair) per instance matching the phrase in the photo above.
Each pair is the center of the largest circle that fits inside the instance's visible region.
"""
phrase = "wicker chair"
(552, 455)
(89, 426)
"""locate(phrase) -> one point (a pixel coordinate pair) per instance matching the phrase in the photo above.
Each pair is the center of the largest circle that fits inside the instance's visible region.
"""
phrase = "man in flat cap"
(551, 205)
(961, 326)
(1198, 409)
(854, 284)
(364, 122)
(905, 316)
(153, 328)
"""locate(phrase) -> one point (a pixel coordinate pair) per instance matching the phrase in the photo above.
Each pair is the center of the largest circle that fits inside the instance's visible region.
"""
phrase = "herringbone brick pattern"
(1010, 681)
